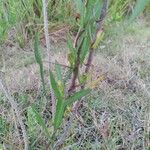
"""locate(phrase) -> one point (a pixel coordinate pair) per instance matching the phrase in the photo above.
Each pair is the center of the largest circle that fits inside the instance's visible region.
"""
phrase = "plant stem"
(75, 70)
(91, 52)
(99, 28)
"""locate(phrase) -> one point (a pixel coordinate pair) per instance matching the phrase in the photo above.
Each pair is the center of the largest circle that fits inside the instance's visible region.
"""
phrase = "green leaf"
(89, 11)
(76, 97)
(83, 78)
(58, 115)
(99, 38)
(37, 50)
(59, 103)
(38, 58)
(71, 60)
(40, 121)
(79, 5)
(70, 46)
(85, 48)
(60, 82)
(58, 72)
(97, 8)
(81, 10)
(55, 87)
(139, 7)
(31, 121)
(72, 55)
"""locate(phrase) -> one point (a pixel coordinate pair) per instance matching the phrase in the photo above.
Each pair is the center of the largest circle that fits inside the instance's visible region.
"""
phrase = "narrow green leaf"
(37, 50)
(59, 103)
(139, 7)
(85, 48)
(79, 5)
(80, 8)
(55, 87)
(89, 11)
(40, 121)
(72, 55)
(60, 82)
(97, 8)
(76, 97)
(38, 58)
(58, 115)
(58, 72)
(31, 121)
(70, 46)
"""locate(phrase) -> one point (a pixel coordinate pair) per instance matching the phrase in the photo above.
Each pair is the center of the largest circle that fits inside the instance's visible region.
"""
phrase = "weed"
(114, 115)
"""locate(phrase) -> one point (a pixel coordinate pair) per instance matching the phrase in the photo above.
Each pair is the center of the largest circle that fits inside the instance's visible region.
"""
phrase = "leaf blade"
(59, 111)
(55, 86)
(58, 71)
(76, 96)
(40, 121)
(39, 61)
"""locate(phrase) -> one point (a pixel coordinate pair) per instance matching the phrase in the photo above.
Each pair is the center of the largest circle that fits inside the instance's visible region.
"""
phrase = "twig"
(16, 111)
(75, 70)
(48, 50)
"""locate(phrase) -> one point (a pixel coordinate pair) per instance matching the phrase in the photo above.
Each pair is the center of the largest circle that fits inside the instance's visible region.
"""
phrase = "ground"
(116, 116)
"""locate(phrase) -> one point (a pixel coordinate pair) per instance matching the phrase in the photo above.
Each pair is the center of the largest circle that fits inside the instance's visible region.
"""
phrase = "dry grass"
(117, 113)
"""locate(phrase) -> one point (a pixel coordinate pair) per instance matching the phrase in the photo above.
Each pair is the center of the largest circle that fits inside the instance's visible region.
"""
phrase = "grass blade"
(139, 7)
